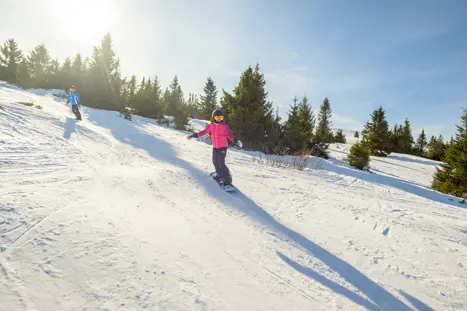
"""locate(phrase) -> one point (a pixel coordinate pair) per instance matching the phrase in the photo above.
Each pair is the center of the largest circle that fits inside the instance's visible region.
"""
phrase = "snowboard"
(227, 188)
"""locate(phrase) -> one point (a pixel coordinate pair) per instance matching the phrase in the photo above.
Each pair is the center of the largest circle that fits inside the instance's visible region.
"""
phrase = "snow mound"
(108, 214)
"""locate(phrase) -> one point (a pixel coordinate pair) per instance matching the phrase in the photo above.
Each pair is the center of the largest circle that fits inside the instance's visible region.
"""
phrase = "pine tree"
(38, 62)
(11, 57)
(356, 135)
(23, 75)
(436, 148)
(193, 105)
(406, 139)
(131, 88)
(376, 135)
(148, 98)
(165, 104)
(208, 101)
(176, 106)
(359, 156)
(140, 98)
(340, 137)
(125, 105)
(292, 129)
(156, 110)
(78, 72)
(395, 135)
(451, 178)
(65, 75)
(175, 102)
(248, 112)
(272, 129)
(103, 82)
(420, 146)
(323, 132)
(306, 121)
(274, 132)
(52, 74)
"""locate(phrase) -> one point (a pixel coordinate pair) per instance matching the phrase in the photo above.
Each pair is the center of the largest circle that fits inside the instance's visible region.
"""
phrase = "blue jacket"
(73, 98)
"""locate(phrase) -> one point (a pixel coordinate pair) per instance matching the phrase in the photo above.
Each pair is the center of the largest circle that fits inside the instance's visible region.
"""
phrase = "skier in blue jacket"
(75, 101)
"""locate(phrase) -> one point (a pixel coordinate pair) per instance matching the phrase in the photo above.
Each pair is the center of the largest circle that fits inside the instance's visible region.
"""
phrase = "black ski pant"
(218, 159)
(75, 110)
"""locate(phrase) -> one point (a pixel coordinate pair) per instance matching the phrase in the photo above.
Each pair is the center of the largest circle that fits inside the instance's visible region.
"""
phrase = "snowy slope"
(107, 214)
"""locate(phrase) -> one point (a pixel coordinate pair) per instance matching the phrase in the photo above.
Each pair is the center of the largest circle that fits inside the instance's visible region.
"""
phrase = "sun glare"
(88, 20)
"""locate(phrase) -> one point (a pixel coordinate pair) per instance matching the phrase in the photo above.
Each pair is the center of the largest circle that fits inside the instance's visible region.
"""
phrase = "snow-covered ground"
(107, 214)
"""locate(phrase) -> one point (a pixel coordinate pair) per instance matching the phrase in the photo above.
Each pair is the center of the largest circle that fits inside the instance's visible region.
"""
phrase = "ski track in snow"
(107, 214)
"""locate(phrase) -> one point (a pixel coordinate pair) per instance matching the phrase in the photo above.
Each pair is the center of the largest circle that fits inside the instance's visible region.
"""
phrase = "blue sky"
(407, 55)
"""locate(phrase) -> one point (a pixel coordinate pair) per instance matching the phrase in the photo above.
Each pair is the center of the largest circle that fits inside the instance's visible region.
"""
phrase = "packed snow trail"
(108, 214)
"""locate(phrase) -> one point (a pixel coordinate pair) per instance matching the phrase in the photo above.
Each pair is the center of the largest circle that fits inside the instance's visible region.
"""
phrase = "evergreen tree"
(103, 82)
(193, 105)
(148, 97)
(356, 135)
(65, 75)
(52, 74)
(406, 139)
(11, 57)
(208, 101)
(306, 121)
(451, 178)
(340, 137)
(293, 130)
(125, 104)
(140, 98)
(23, 75)
(248, 112)
(359, 156)
(271, 129)
(395, 137)
(436, 148)
(323, 132)
(175, 104)
(78, 72)
(420, 146)
(376, 135)
(274, 133)
(38, 62)
(131, 88)
(156, 110)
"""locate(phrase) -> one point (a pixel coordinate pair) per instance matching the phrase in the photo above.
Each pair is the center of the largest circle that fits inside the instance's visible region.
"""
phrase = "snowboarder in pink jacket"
(220, 133)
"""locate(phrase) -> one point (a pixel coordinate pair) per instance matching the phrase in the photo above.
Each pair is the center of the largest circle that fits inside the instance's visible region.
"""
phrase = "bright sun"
(87, 19)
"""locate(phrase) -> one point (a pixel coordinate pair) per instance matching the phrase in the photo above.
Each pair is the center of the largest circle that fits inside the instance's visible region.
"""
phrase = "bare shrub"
(301, 159)
(282, 159)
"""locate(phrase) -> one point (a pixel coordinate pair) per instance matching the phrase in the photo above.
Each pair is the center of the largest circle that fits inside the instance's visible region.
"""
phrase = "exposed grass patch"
(28, 104)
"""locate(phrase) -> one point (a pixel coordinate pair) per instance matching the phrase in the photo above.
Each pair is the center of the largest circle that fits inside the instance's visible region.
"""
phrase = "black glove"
(194, 135)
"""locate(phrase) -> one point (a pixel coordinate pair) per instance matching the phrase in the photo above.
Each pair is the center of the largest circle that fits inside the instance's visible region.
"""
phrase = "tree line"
(101, 85)
(380, 140)
(247, 108)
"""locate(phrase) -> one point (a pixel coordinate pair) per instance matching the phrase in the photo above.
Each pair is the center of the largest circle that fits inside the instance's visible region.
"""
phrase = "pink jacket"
(219, 134)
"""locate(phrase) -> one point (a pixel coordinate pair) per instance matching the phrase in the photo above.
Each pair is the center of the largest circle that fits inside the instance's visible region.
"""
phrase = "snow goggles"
(218, 118)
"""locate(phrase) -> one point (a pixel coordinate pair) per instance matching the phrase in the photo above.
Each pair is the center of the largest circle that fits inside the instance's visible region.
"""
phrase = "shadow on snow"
(133, 133)
(70, 127)
(129, 133)
(334, 286)
(407, 186)
(383, 300)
